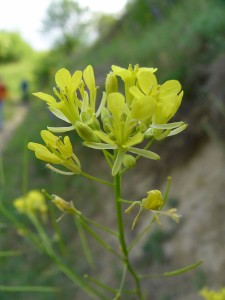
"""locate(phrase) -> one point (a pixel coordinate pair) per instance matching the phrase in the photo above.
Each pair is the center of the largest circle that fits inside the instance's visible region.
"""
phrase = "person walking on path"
(25, 93)
(3, 95)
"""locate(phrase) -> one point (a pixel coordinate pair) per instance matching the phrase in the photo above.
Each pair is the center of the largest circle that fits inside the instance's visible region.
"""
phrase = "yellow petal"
(48, 98)
(143, 107)
(76, 79)
(47, 156)
(49, 138)
(68, 146)
(170, 87)
(63, 79)
(89, 78)
(116, 104)
(146, 81)
(36, 146)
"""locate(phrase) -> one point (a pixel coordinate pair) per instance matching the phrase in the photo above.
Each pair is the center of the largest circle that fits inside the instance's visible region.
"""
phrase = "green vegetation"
(173, 38)
(13, 48)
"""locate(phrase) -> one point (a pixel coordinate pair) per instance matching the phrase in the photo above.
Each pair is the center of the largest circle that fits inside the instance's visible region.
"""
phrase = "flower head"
(212, 295)
(32, 202)
(56, 151)
(124, 118)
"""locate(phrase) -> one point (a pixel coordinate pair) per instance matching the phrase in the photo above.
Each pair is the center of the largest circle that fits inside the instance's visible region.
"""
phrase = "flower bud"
(86, 133)
(65, 206)
(111, 84)
(129, 161)
(153, 201)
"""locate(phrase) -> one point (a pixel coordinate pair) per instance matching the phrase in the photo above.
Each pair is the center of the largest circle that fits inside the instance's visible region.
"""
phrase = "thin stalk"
(100, 240)
(121, 237)
(138, 237)
(84, 243)
(121, 283)
(108, 156)
(96, 179)
(25, 168)
(57, 230)
(20, 226)
(102, 227)
(51, 253)
(100, 284)
(2, 174)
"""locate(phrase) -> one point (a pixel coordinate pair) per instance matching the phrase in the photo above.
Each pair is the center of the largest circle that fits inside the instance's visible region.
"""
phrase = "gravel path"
(11, 125)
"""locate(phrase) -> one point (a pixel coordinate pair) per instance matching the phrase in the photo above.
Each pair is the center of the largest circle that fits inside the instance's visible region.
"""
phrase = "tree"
(13, 47)
(65, 20)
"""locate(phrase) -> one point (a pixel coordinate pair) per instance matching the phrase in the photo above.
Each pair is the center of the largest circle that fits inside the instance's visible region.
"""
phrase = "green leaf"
(183, 270)
(39, 289)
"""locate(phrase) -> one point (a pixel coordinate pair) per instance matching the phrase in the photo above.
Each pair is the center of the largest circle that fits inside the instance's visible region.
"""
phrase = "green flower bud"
(86, 133)
(129, 161)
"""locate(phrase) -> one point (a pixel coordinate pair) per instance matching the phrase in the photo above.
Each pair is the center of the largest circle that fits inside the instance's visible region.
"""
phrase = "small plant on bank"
(123, 127)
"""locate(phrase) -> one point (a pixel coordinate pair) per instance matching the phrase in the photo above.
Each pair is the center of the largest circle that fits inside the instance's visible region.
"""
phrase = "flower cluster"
(123, 119)
(32, 202)
(213, 295)
(56, 151)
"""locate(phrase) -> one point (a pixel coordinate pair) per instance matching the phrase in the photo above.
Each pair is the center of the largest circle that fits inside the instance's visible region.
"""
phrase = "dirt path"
(11, 125)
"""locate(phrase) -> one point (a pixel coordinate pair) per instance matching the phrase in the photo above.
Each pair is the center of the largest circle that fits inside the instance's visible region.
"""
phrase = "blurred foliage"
(167, 39)
(13, 48)
(65, 20)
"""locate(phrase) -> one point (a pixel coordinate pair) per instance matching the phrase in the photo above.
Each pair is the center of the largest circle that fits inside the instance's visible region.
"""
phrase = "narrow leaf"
(183, 270)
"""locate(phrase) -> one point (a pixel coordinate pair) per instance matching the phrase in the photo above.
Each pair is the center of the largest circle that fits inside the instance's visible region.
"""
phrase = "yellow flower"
(141, 111)
(75, 102)
(31, 202)
(56, 151)
(213, 295)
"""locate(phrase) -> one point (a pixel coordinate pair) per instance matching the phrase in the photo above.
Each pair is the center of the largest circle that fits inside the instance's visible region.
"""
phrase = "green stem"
(51, 253)
(96, 179)
(121, 237)
(118, 294)
(84, 243)
(99, 239)
(102, 227)
(25, 168)
(21, 227)
(137, 239)
(100, 284)
(108, 156)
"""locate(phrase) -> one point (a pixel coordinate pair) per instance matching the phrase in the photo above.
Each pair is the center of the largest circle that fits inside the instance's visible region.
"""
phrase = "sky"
(26, 16)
